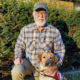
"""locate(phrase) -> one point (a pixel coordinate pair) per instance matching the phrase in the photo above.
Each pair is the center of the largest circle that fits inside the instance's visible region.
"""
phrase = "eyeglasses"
(40, 13)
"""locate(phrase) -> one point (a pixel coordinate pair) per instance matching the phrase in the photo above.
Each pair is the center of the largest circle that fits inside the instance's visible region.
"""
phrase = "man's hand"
(18, 61)
(50, 70)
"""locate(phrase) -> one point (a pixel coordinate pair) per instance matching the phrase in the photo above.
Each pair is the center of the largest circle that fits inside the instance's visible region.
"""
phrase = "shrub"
(14, 15)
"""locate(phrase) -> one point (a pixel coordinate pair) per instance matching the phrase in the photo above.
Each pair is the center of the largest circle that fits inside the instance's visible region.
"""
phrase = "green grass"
(75, 76)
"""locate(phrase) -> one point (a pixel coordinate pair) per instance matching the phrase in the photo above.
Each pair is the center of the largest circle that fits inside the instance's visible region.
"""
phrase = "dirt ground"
(5, 67)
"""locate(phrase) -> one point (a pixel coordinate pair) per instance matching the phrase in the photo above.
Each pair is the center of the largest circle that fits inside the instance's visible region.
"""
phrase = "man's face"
(40, 17)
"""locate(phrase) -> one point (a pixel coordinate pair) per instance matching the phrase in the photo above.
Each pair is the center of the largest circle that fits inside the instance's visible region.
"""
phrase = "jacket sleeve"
(20, 45)
(59, 48)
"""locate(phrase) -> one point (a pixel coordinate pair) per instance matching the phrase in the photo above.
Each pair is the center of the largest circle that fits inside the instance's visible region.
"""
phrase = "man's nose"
(41, 15)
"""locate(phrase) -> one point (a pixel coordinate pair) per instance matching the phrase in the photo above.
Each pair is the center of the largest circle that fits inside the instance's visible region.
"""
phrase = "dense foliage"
(14, 15)
(69, 0)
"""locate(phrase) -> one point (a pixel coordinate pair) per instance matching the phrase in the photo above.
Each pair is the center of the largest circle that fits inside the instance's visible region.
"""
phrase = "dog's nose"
(47, 64)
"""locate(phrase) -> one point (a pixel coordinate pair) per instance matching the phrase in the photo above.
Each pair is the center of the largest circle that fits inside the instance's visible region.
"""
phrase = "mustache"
(41, 18)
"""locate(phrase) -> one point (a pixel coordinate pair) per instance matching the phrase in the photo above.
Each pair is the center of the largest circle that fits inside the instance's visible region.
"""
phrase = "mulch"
(6, 63)
(5, 67)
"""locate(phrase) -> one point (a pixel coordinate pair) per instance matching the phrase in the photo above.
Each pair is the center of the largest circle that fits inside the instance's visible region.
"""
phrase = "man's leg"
(36, 75)
(19, 71)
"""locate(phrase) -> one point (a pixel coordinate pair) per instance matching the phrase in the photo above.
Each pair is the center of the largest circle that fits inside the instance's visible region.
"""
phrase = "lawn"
(73, 76)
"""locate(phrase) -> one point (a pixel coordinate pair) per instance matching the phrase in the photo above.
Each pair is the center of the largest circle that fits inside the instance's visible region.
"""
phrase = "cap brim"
(39, 9)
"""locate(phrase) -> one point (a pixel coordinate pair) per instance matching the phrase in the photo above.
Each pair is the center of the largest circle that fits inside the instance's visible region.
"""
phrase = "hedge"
(14, 15)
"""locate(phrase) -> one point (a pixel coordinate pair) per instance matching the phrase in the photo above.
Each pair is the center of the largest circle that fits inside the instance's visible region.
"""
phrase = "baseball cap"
(40, 5)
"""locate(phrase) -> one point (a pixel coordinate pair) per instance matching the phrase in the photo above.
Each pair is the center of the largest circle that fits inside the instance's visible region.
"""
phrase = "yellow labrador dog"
(46, 60)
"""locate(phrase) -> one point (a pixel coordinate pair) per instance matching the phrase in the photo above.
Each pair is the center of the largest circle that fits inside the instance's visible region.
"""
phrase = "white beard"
(40, 23)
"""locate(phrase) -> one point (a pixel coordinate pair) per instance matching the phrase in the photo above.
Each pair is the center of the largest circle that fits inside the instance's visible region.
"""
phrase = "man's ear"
(40, 57)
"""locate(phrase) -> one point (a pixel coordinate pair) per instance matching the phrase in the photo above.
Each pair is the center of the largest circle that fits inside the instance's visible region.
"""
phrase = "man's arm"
(20, 45)
(59, 48)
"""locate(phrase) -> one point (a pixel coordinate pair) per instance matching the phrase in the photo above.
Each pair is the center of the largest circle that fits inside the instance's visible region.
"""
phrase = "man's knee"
(17, 70)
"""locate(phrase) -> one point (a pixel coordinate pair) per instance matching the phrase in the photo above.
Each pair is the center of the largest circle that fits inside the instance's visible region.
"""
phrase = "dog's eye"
(43, 56)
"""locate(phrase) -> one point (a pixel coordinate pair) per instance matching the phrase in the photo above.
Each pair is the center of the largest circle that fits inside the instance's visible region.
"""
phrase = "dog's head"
(47, 59)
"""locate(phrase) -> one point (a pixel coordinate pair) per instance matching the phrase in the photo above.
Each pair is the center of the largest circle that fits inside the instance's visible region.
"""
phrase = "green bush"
(68, 24)
(14, 15)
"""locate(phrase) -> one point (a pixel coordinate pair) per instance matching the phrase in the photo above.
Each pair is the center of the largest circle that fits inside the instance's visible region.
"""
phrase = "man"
(34, 39)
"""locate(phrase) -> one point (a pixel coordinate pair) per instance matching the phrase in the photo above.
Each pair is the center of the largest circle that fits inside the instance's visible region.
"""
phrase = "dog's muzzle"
(48, 63)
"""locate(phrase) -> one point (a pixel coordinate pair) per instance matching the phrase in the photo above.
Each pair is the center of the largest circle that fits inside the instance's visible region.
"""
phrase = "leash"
(57, 75)
(45, 74)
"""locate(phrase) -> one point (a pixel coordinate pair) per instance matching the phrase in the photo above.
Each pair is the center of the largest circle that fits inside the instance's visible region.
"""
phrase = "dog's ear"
(39, 57)
(55, 59)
